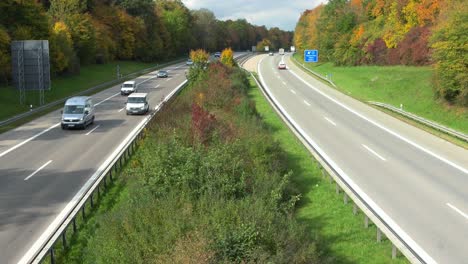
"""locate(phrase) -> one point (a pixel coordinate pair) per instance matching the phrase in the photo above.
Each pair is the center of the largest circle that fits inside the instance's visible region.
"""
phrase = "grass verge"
(395, 85)
(341, 236)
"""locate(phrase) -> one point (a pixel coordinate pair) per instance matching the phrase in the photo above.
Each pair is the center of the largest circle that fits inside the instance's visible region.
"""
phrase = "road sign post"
(311, 55)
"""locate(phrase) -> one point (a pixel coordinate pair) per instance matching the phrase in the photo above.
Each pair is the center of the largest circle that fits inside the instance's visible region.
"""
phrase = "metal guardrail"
(372, 212)
(45, 245)
(325, 78)
(424, 121)
(87, 91)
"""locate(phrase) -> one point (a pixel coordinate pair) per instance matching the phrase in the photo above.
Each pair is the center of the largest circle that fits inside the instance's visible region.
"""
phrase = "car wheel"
(92, 120)
(64, 127)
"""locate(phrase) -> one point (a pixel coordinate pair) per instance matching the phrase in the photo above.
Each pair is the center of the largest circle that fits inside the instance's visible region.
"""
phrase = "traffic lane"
(391, 186)
(449, 179)
(83, 151)
(412, 133)
(39, 125)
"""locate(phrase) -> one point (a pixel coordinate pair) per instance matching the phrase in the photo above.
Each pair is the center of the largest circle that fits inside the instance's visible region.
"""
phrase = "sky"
(271, 13)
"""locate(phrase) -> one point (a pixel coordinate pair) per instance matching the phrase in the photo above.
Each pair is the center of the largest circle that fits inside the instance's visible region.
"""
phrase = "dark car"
(162, 74)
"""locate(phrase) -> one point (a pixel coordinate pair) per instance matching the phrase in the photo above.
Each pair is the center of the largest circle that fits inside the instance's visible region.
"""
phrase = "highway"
(42, 166)
(418, 180)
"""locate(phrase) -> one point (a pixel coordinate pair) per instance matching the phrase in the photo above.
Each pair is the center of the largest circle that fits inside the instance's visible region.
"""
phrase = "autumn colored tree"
(227, 57)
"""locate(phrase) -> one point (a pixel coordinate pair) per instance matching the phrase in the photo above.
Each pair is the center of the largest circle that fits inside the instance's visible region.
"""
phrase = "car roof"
(129, 82)
(77, 100)
(138, 95)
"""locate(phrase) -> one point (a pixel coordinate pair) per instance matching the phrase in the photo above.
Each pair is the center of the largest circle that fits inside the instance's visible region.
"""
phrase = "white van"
(78, 112)
(137, 103)
(128, 88)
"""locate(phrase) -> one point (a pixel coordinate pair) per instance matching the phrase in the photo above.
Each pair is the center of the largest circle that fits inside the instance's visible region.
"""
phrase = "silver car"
(78, 112)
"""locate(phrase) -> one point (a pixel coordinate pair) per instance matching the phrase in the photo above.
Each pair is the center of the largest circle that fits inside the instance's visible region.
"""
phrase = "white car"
(128, 88)
(137, 103)
(189, 62)
(282, 66)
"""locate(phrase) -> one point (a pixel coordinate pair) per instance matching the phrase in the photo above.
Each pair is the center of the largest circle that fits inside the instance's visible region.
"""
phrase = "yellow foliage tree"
(199, 57)
(61, 47)
(227, 57)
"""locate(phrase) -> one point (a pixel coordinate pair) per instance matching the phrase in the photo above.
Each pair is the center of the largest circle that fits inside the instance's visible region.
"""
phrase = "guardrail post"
(52, 255)
(83, 211)
(99, 191)
(366, 221)
(345, 198)
(74, 224)
(105, 182)
(337, 188)
(91, 200)
(110, 173)
(354, 209)
(394, 251)
(379, 235)
(64, 238)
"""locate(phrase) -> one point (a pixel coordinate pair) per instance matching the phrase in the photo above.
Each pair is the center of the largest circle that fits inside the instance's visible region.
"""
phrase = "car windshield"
(74, 109)
(162, 72)
(128, 85)
(136, 100)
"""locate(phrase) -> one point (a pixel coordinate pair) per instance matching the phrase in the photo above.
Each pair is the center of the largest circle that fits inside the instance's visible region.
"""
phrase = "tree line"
(387, 32)
(83, 32)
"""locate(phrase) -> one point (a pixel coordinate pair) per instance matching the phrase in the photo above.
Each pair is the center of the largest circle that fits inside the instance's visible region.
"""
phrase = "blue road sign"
(311, 55)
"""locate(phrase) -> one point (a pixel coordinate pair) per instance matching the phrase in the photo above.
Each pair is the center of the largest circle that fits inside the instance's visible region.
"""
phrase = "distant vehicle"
(217, 54)
(281, 51)
(137, 103)
(78, 112)
(189, 62)
(282, 66)
(271, 53)
(162, 74)
(128, 88)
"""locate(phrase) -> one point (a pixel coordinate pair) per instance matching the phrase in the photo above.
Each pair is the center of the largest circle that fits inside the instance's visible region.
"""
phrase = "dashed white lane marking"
(284, 83)
(458, 210)
(156, 87)
(168, 79)
(307, 103)
(292, 91)
(121, 109)
(91, 131)
(373, 152)
(330, 121)
(107, 99)
(40, 168)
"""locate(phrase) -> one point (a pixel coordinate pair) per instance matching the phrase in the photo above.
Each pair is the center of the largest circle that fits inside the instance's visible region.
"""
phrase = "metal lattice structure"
(31, 67)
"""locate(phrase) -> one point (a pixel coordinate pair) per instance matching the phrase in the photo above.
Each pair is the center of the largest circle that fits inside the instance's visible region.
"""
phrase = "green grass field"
(342, 237)
(395, 85)
(64, 86)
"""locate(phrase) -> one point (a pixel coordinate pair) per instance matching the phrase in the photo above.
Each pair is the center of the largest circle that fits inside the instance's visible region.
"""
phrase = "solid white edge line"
(40, 168)
(373, 152)
(415, 246)
(307, 103)
(382, 127)
(458, 210)
(329, 121)
(91, 131)
(57, 221)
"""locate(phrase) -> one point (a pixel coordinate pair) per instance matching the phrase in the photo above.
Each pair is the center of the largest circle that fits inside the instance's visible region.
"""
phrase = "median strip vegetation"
(208, 184)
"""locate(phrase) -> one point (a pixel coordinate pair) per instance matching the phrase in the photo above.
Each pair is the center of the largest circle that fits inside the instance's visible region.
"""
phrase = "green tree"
(5, 63)
(450, 53)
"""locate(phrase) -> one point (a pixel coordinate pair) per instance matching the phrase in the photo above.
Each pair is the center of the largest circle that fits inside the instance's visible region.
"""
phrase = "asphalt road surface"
(42, 166)
(418, 180)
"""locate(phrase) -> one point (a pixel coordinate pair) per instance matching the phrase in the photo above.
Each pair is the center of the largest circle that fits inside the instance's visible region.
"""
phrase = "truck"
(281, 51)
